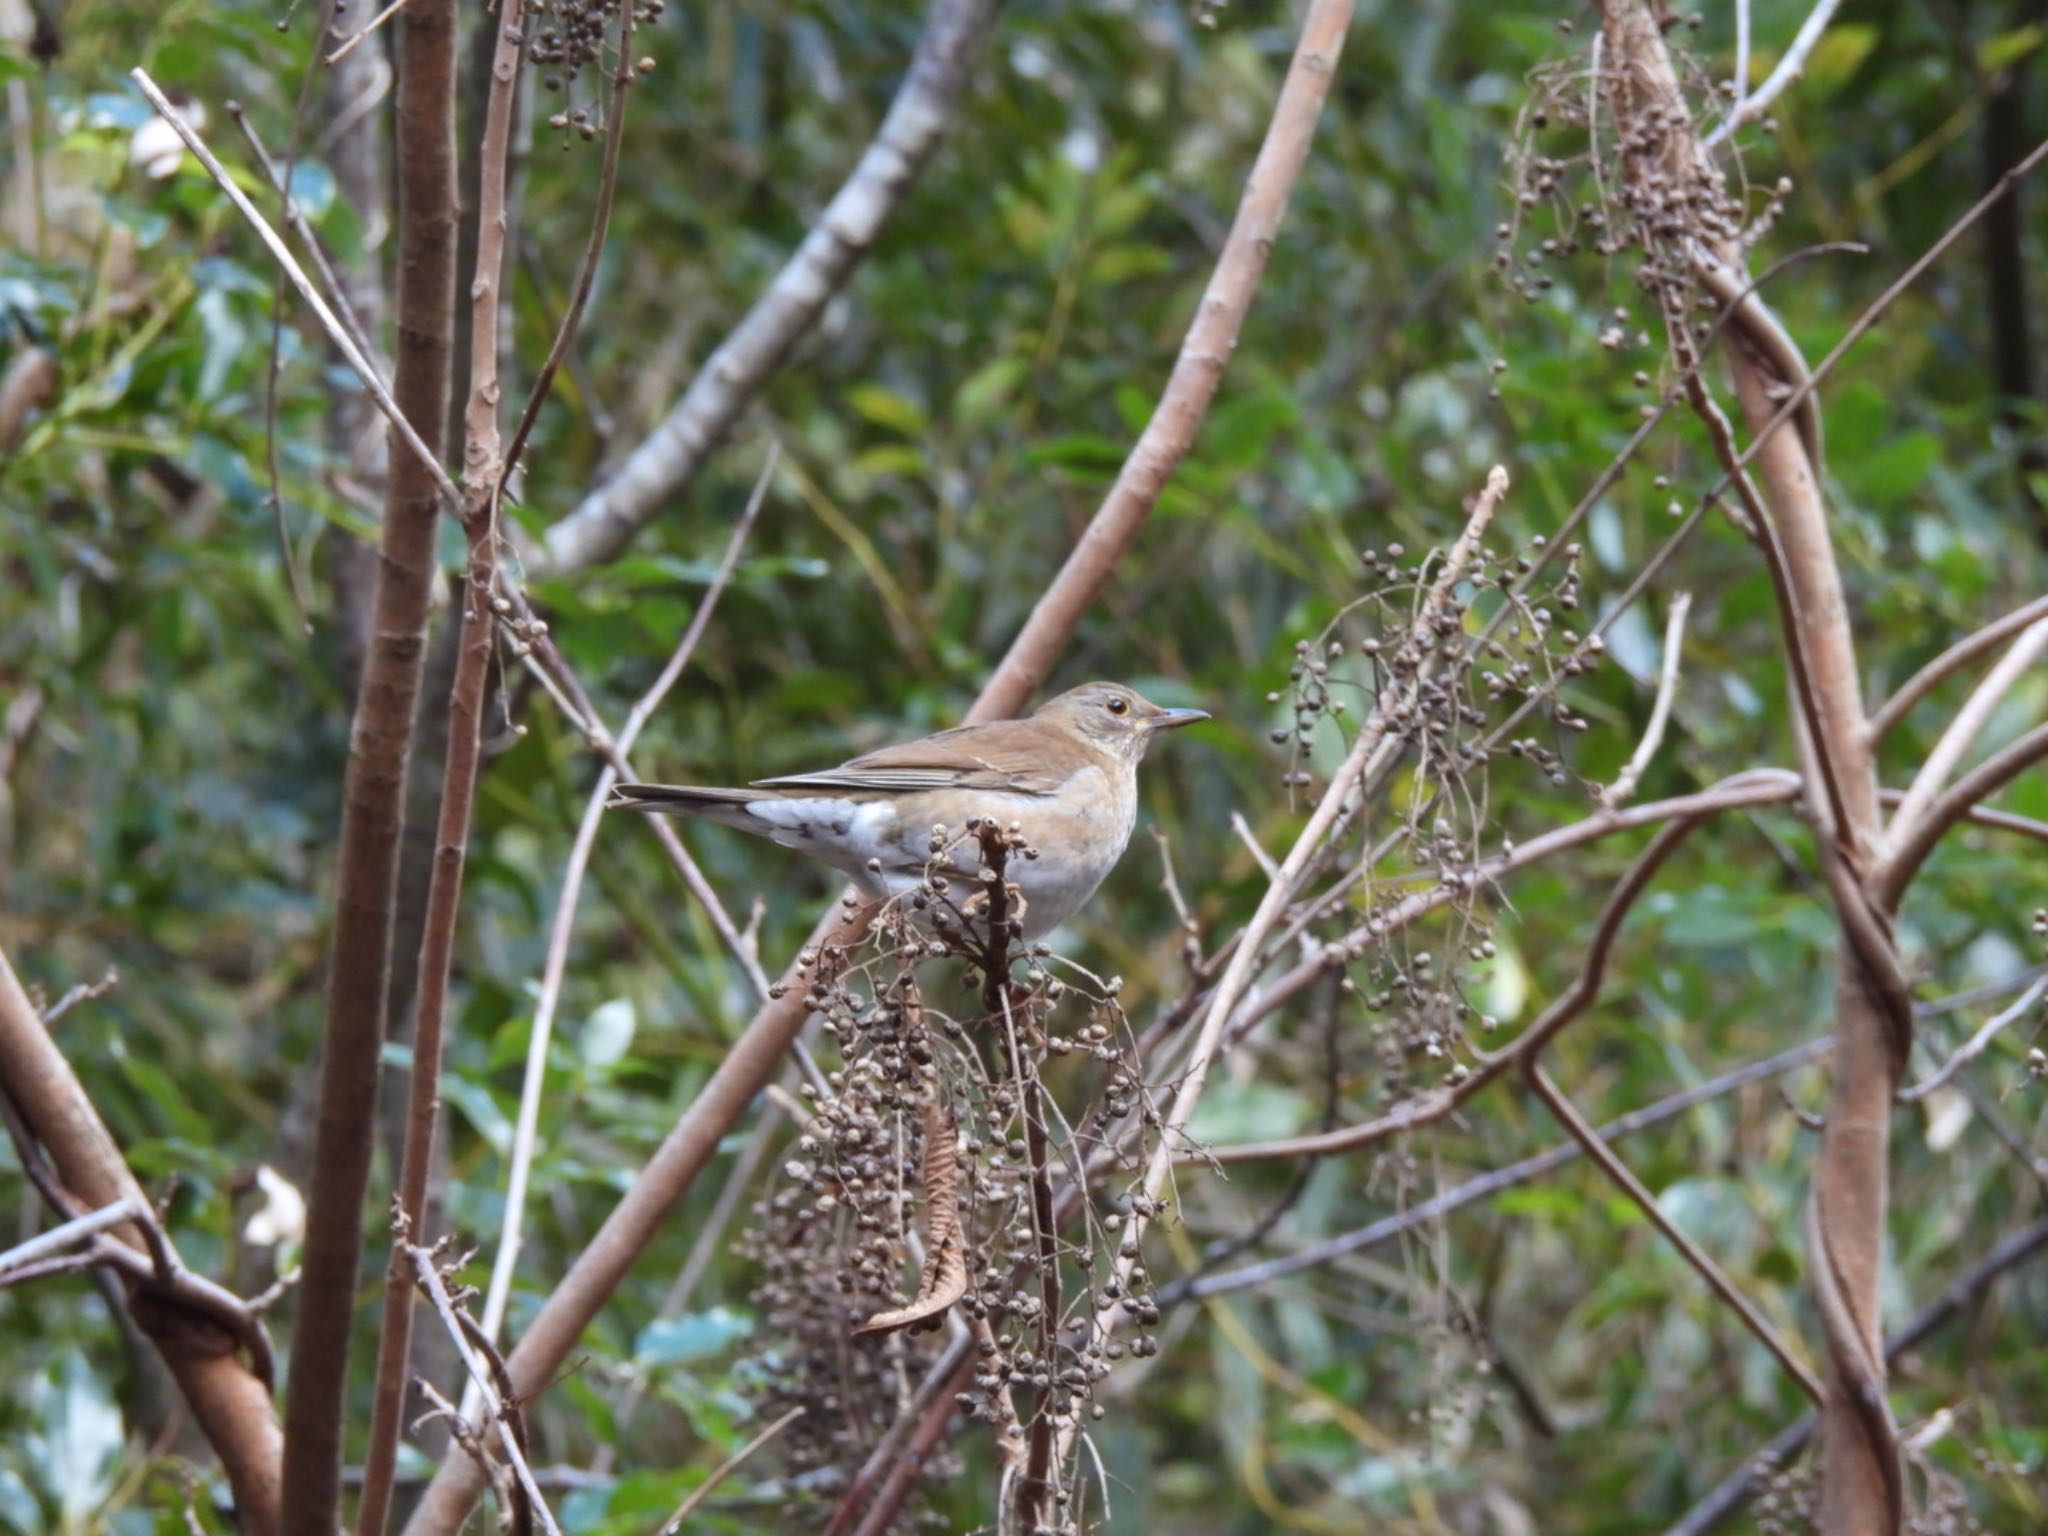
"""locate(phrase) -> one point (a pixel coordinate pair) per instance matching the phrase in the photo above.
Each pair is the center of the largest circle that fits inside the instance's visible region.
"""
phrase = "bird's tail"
(683, 799)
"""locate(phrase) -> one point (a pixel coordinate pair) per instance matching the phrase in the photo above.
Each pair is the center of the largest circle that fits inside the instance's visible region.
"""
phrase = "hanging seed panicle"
(923, 1184)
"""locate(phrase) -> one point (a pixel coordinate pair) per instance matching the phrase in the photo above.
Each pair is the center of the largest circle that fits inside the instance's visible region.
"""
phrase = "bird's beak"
(1174, 719)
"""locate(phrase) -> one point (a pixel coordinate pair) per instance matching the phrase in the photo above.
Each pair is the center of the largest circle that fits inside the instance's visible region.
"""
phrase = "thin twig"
(1742, 791)
(657, 473)
(1383, 726)
(77, 1230)
(1896, 872)
(586, 272)
(372, 25)
(330, 322)
(487, 1379)
(726, 1468)
(1968, 724)
(295, 216)
(1639, 1194)
(1975, 1046)
(1198, 368)
(1923, 682)
(1484, 1186)
(1624, 787)
(1751, 106)
(554, 968)
(84, 992)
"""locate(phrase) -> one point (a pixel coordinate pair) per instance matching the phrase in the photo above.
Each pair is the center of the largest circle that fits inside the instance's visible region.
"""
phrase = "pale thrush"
(1065, 779)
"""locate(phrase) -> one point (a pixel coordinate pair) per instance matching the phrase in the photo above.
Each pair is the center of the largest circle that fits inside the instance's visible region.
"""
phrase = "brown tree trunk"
(316, 1399)
(352, 107)
(1671, 179)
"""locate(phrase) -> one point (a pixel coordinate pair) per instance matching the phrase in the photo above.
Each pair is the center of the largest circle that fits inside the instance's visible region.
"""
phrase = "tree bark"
(356, 148)
(1673, 187)
(316, 1399)
(230, 1401)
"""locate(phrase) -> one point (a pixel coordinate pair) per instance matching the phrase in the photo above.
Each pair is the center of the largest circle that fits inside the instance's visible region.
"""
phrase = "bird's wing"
(1002, 756)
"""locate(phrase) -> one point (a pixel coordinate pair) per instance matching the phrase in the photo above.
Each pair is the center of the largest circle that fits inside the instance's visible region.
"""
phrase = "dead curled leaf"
(945, 1269)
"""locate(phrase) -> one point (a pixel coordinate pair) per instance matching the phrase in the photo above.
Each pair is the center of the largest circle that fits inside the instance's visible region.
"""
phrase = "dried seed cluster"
(1448, 689)
(1599, 172)
(855, 1211)
(568, 36)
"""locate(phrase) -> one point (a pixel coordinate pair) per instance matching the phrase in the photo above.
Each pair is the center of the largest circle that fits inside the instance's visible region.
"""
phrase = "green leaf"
(886, 408)
(694, 1336)
(1248, 1111)
(2004, 49)
(608, 1034)
(481, 1111)
(987, 390)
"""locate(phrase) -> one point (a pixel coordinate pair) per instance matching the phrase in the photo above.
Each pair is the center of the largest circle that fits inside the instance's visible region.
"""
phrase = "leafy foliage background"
(946, 432)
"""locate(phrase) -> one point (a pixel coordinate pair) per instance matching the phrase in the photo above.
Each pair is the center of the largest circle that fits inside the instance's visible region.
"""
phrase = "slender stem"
(1966, 650)
(77, 1230)
(600, 225)
(726, 1468)
(426, 459)
(1751, 105)
(1975, 1046)
(488, 1380)
(463, 762)
(525, 1134)
(1624, 786)
(1197, 370)
(1624, 1177)
(1968, 724)
(1484, 1186)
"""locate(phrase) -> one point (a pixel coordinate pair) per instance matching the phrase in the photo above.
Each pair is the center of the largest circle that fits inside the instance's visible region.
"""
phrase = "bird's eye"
(1116, 706)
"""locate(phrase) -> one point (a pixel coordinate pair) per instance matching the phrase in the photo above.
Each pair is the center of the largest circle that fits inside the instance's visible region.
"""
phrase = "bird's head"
(1114, 718)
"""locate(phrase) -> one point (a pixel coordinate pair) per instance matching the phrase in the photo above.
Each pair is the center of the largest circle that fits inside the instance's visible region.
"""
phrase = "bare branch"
(586, 272)
(1702, 1263)
(1987, 778)
(1385, 728)
(1974, 1047)
(726, 1468)
(488, 1377)
(369, 27)
(1211, 339)
(78, 1229)
(1755, 788)
(1748, 108)
(1624, 787)
(196, 1337)
(426, 459)
(661, 469)
(1484, 1186)
(1968, 724)
(555, 967)
(380, 743)
(1961, 654)
(463, 762)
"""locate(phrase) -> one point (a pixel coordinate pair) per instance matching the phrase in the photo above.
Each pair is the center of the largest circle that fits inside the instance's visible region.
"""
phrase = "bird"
(1064, 780)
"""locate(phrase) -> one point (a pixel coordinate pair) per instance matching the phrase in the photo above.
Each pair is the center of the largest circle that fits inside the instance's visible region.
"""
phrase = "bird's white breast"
(1079, 834)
